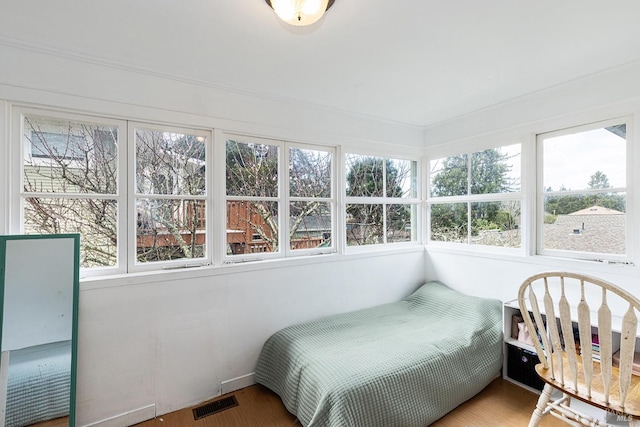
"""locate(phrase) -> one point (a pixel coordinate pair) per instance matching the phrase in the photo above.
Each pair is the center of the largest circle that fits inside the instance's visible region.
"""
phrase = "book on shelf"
(595, 347)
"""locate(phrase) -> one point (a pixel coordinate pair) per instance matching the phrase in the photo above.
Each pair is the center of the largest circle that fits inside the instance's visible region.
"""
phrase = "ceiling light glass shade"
(299, 12)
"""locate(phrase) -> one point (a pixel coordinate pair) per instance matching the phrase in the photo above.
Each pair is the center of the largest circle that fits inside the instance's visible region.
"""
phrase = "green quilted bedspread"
(402, 364)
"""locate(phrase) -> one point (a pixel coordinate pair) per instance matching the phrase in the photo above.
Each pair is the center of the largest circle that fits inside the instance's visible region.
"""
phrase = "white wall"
(171, 340)
(612, 94)
(82, 83)
(156, 342)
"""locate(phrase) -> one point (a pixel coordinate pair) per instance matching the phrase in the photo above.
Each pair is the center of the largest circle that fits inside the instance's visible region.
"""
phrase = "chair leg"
(538, 413)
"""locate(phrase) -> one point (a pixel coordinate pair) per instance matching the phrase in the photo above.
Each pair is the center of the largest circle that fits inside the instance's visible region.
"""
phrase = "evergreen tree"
(487, 174)
(366, 178)
(598, 180)
(564, 205)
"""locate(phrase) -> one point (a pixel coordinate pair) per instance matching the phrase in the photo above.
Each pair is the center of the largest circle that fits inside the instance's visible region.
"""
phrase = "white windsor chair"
(585, 372)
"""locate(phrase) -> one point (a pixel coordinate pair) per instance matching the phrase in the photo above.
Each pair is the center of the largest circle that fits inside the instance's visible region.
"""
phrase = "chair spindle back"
(565, 313)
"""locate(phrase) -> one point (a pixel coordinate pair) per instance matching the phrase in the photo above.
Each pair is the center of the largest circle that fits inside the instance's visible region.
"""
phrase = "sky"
(571, 160)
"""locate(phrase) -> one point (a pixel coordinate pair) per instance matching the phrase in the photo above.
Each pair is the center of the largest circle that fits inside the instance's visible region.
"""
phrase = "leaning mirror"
(39, 278)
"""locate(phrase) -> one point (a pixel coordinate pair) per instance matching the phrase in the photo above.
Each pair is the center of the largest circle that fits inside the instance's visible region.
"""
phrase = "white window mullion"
(15, 149)
(469, 225)
(384, 179)
(283, 192)
(469, 174)
(218, 195)
(384, 222)
(338, 188)
(5, 175)
(633, 200)
(128, 189)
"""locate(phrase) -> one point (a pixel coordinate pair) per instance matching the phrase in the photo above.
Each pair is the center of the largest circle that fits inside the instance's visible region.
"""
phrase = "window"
(74, 180)
(381, 200)
(170, 195)
(70, 181)
(582, 197)
(263, 218)
(140, 194)
(475, 198)
(311, 205)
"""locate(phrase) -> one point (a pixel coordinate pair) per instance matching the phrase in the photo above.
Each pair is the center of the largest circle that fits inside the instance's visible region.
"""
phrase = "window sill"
(156, 276)
(551, 262)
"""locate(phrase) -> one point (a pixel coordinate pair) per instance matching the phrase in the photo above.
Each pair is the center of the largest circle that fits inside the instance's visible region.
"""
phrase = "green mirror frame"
(4, 239)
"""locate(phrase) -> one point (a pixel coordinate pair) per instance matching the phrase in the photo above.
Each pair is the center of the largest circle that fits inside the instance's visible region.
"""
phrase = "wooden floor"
(58, 422)
(501, 404)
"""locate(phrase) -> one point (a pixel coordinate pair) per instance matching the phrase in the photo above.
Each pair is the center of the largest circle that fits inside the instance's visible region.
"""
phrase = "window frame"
(471, 199)
(630, 242)
(289, 198)
(18, 153)
(133, 196)
(125, 195)
(283, 199)
(416, 201)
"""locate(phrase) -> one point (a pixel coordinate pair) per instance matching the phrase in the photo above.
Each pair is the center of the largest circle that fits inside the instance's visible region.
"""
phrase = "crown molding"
(91, 59)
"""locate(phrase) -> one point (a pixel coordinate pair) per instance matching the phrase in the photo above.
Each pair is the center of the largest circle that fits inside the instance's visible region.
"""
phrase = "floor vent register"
(214, 407)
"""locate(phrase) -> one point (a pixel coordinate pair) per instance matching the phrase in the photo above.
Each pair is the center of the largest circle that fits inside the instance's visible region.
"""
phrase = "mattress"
(402, 364)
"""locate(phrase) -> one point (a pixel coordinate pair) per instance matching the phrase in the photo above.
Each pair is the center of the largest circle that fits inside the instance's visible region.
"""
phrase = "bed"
(38, 384)
(404, 364)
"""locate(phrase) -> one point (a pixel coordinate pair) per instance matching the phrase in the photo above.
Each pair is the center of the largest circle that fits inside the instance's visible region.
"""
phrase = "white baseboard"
(148, 412)
(237, 383)
(132, 417)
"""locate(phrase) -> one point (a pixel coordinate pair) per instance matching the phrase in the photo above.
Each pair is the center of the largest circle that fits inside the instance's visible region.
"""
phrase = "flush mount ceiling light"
(300, 12)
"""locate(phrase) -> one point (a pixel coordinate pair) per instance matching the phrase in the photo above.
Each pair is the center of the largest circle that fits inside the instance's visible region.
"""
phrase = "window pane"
(402, 178)
(400, 223)
(252, 227)
(169, 163)
(585, 160)
(68, 156)
(449, 176)
(586, 223)
(364, 224)
(252, 169)
(496, 224)
(496, 170)
(94, 219)
(364, 176)
(310, 225)
(170, 229)
(309, 173)
(449, 222)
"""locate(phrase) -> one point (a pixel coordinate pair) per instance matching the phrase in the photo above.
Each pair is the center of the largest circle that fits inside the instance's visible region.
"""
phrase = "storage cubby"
(520, 360)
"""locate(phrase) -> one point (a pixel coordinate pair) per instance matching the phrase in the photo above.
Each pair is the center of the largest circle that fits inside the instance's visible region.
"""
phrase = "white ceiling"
(415, 62)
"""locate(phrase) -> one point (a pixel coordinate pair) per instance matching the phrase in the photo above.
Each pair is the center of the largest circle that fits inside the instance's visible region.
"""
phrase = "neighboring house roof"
(313, 223)
(594, 229)
(597, 210)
